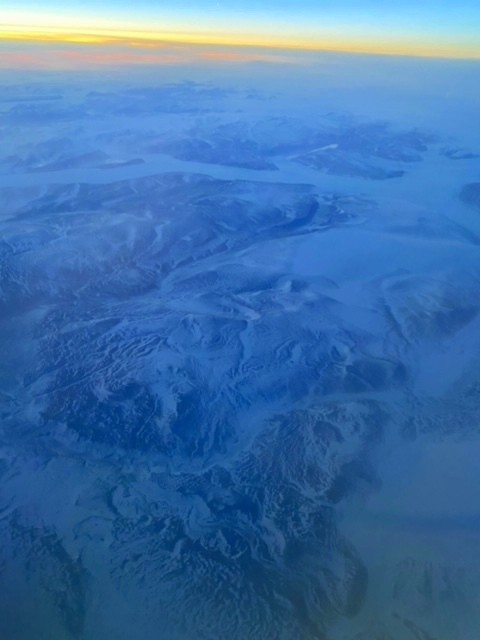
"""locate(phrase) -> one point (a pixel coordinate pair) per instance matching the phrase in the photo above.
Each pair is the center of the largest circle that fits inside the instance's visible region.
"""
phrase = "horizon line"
(146, 39)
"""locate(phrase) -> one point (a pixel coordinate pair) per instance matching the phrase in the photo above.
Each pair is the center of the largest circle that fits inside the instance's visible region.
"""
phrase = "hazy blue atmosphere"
(239, 346)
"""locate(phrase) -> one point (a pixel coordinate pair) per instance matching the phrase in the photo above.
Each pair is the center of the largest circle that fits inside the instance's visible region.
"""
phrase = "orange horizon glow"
(86, 58)
(158, 39)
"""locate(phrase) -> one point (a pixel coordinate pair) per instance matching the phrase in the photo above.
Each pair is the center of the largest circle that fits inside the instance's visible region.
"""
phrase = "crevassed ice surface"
(240, 338)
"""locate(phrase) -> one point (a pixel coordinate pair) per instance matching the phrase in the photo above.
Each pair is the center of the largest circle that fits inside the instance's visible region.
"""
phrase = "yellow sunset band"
(157, 38)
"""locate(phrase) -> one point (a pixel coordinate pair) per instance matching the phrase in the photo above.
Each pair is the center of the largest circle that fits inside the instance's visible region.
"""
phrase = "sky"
(447, 28)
